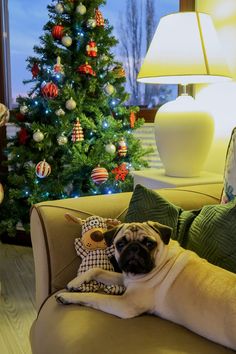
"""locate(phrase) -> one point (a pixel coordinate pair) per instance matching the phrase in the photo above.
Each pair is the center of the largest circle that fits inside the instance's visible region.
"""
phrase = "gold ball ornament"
(38, 136)
(42, 169)
(70, 104)
(66, 40)
(4, 115)
(109, 89)
(1, 193)
(81, 9)
(99, 175)
(110, 148)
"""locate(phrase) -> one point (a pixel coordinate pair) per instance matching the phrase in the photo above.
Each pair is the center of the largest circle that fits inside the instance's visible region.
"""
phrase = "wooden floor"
(17, 306)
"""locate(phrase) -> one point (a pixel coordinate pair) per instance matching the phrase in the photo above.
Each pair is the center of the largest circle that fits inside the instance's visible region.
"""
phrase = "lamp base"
(184, 133)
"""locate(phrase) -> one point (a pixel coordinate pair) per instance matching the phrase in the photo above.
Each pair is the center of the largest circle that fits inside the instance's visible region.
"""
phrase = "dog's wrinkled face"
(136, 245)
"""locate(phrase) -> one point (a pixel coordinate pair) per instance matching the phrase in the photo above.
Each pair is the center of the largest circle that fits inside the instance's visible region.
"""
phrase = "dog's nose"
(97, 236)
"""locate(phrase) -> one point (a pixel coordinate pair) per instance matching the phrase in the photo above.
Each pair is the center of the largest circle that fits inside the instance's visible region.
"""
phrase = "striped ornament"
(99, 175)
(42, 169)
(57, 32)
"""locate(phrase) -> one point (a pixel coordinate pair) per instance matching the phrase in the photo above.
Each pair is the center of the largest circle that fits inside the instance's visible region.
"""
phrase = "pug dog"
(163, 279)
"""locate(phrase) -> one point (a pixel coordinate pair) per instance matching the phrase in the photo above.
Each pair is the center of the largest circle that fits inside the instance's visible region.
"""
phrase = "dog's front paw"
(75, 284)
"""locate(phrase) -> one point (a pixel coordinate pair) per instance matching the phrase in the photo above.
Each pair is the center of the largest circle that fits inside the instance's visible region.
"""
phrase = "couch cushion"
(209, 231)
(80, 330)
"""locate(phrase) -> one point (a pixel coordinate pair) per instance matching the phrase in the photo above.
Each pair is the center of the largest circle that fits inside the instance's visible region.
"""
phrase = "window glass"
(134, 22)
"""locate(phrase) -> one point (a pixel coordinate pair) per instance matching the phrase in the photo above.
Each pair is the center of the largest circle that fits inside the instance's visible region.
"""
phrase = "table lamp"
(185, 50)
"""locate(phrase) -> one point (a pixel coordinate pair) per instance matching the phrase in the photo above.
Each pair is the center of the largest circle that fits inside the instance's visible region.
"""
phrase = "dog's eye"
(121, 244)
(150, 244)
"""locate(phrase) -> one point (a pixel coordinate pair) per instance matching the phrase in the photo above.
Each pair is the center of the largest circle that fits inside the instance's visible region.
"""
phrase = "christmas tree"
(74, 133)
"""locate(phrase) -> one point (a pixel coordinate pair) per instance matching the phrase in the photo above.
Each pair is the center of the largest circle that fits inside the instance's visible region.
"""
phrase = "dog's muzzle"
(135, 259)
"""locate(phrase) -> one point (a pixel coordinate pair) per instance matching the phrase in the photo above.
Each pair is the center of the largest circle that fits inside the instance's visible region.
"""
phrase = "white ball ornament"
(24, 109)
(91, 23)
(66, 40)
(81, 9)
(110, 148)
(59, 112)
(59, 8)
(62, 140)
(38, 136)
(70, 104)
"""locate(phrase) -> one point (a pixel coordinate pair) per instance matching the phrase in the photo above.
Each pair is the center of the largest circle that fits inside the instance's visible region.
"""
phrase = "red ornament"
(122, 148)
(120, 172)
(99, 18)
(57, 32)
(20, 117)
(35, 70)
(50, 90)
(77, 133)
(99, 175)
(23, 136)
(42, 169)
(132, 119)
(91, 49)
(86, 69)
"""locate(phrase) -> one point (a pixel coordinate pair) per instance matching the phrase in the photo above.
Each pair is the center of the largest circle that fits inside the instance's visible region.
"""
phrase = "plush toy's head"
(93, 229)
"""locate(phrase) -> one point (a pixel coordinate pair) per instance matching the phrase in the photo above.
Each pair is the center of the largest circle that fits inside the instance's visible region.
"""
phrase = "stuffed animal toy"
(94, 252)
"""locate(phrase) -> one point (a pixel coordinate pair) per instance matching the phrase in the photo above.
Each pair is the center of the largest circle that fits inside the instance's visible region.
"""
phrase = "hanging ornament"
(35, 70)
(1, 193)
(57, 31)
(4, 115)
(120, 172)
(59, 9)
(42, 169)
(58, 67)
(81, 9)
(86, 69)
(66, 40)
(99, 18)
(109, 89)
(70, 104)
(62, 139)
(38, 136)
(77, 132)
(91, 49)
(19, 116)
(49, 90)
(24, 109)
(122, 148)
(99, 175)
(23, 136)
(110, 148)
(118, 72)
(91, 23)
(132, 119)
(59, 112)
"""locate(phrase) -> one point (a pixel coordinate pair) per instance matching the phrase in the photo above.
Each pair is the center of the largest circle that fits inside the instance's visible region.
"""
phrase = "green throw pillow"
(210, 231)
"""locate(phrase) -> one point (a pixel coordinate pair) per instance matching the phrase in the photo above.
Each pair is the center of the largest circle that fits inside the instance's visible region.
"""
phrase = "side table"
(156, 179)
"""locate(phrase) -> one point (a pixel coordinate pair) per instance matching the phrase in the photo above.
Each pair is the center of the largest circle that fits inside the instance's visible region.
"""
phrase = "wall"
(220, 99)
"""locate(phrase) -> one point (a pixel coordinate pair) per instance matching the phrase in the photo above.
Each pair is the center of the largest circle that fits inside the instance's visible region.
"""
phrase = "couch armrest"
(52, 236)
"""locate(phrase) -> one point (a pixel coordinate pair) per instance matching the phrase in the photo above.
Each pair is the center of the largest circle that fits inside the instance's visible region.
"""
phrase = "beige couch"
(74, 329)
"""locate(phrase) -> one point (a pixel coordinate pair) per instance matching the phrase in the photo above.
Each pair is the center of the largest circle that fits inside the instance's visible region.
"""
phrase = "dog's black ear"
(163, 230)
(109, 235)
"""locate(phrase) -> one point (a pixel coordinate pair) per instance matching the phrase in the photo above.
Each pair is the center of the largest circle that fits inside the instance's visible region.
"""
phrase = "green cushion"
(210, 231)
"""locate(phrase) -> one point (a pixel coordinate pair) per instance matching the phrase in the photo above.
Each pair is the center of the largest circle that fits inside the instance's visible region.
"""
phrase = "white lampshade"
(185, 49)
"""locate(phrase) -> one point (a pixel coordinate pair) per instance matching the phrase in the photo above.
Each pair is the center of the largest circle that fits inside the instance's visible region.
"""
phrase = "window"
(134, 23)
